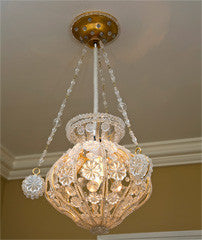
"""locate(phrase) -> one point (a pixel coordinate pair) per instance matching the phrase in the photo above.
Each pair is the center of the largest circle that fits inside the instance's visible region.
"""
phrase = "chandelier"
(98, 182)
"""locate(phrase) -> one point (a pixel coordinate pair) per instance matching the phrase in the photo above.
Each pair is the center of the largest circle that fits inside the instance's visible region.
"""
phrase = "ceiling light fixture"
(98, 182)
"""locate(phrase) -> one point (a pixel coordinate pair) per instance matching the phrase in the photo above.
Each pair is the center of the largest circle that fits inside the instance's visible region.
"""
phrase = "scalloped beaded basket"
(98, 183)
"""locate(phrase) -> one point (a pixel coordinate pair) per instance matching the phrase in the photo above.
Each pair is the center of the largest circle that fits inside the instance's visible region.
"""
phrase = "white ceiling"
(156, 60)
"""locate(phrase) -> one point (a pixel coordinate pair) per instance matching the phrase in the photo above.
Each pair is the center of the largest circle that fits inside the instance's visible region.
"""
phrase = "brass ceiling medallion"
(95, 26)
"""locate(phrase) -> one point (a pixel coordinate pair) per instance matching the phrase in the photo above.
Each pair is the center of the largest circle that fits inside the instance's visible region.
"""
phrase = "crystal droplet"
(116, 186)
(70, 191)
(122, 107)
(76, 202)
(93, 186)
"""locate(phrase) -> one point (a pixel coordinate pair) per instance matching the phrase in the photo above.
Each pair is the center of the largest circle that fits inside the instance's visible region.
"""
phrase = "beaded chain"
(57, 120)
(103, 83)
(122, 107)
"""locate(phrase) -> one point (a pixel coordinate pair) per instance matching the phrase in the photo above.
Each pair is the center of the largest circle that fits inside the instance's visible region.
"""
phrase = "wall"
(3, 183)
(175, 205)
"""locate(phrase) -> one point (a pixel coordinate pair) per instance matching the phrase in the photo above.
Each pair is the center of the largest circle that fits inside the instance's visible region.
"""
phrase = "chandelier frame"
(98, 182)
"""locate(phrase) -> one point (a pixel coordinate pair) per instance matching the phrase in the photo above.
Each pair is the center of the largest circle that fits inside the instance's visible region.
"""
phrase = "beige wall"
(3, 183)
(175, 205)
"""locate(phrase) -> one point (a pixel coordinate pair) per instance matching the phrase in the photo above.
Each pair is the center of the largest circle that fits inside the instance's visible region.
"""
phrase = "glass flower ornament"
(33, 185)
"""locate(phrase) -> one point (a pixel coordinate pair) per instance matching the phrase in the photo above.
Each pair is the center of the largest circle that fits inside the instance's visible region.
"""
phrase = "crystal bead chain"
(121, 105)
(60, 112)
(103, 83)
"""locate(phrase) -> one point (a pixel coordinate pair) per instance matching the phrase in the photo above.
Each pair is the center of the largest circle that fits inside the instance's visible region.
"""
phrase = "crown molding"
(163, 153)
(7, 160)
(174, 235)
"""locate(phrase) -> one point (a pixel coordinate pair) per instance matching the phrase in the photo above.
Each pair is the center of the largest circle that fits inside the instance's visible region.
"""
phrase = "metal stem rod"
(95, 81)
(95, 78)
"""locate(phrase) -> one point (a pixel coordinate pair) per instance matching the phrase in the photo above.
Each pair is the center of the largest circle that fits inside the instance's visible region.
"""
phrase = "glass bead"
(93, 186)
(124, 113)
(90, 127)
(113, 78)
(57, 122)
(44, 153)
(127, 123)
(122, 107)
(119, 100)
(113, 198)
(55, 129)
(134, 190)
(80, 130)
(105, 54)
(106, 61)
(80, 180)
(116, 91)
(60, 114)
(69, 91)
(105, 126)
(76, 202)
(49, 140)
(134, 140)
(41, 160)
(137, 180)
(76, 72)
(70, 191)
(127, 179)
(79, 62)
(111, 71)
(116, 186)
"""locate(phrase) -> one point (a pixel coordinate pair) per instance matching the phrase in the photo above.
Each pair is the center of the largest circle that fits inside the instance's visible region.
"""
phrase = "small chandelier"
(98, 182)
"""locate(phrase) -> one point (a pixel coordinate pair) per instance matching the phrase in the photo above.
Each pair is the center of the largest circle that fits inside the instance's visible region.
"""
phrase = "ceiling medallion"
(98, 182)
(95, 26)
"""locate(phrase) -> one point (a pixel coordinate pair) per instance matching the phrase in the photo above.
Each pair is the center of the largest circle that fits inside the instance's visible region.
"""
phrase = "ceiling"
(156, 60)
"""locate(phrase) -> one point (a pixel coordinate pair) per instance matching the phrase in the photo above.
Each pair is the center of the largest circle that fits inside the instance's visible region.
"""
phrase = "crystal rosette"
(33, 186)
